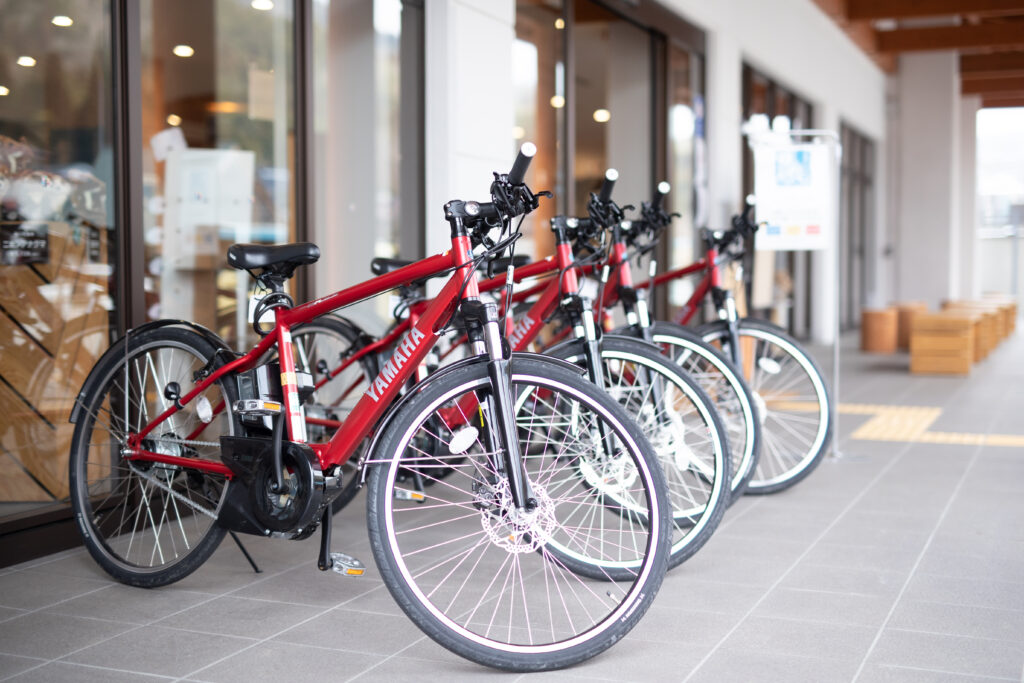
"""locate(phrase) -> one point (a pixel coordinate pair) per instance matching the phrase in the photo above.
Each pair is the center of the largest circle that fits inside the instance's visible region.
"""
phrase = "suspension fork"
(638, 317)
(581, 317)
(485, 335)
(726, 306)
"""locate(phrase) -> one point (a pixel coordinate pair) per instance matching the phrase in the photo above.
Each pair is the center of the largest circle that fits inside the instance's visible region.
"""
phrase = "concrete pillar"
(927, 263)
(347, 235)
(469, 117)
(968, 286)
(724, 69)
(824, 269)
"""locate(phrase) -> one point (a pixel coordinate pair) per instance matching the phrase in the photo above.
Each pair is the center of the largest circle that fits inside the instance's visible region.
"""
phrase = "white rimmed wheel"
(792, 398)
(732, 397)
(149, 524)
(681, 422)
(492, 582)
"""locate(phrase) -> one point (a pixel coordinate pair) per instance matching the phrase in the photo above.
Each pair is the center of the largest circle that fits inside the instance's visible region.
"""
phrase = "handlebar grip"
(610, 176)
(522, 162)
(659, 194)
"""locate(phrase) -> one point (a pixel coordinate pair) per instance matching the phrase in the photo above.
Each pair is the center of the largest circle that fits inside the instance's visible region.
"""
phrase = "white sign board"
(795, 188)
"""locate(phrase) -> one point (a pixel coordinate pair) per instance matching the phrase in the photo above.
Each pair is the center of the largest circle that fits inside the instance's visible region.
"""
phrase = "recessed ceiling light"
(4, 91)
(557, 101)
(62, 21)
(262, 5)
(602, 115)
(183, 50)
(173, 120)
(25, 60)
(559, 23)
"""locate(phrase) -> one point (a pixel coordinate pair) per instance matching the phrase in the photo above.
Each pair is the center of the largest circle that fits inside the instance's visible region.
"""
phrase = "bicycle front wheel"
(499, 585)
(792, 400)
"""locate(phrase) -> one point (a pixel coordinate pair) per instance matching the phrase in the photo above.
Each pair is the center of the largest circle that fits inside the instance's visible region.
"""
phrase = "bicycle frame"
(409, 353)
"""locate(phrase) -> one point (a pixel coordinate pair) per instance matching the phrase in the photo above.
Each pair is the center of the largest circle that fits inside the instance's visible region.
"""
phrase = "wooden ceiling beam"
(1009, 34)
(994, 65)
(981, 86)
(990, 102)
(904, 9)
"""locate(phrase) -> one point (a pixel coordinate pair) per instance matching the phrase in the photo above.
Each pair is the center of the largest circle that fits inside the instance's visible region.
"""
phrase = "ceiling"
(987, 34)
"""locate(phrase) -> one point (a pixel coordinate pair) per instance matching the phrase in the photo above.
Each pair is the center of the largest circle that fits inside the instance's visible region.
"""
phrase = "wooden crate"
(990, 329)
(878, 330)
(905, 312)
(943, 343)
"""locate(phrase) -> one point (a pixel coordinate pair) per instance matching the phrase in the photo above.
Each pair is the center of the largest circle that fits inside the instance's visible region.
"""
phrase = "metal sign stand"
(770, 138)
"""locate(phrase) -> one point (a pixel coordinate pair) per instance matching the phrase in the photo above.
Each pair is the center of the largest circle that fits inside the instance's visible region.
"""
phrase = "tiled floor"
(897, 561)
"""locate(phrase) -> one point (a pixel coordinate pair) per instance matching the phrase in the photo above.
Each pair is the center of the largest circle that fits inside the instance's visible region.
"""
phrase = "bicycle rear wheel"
(499, 585)
(793, 401)
(146, 523)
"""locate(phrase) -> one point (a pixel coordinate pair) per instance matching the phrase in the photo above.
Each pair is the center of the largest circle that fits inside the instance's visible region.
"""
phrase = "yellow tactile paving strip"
(911, 423)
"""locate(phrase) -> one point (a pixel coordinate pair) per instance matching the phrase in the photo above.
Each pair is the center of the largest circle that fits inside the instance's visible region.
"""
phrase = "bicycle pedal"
(406, 494)
(346, 565)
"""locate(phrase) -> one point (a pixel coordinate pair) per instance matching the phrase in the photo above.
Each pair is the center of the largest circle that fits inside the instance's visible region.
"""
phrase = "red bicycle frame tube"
(712, 278)
(408, 355)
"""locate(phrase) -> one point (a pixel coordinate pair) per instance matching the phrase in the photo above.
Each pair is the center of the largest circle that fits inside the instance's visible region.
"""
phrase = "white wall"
(798, 45)
(968, 286)
(927, 214)
(469, 116)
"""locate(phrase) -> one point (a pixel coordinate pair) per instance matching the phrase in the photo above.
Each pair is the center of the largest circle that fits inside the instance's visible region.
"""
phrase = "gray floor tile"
(161, 651)
(950, 654)
(682, 591)
(285, 662)
(50, 636)
(118, 602)
(842, 642)
(405, 668)
(13, 664)
(32, 590)
(668, 625)
(640, 660)
(877, 581)
(740, 665)
(959, 620)
(886, 673)
(835, 608)
(236, 616)
(307, 585)
(343, 629)
(9, 613)
(65, 671)
(965, 591)
(861, 556)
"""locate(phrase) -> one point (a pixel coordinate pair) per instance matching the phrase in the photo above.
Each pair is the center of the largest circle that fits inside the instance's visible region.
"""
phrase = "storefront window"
(613, 98)
(368, 140)
(687, 163)
(538, 77)
(218, 152)
(779, 283)
(57, 235)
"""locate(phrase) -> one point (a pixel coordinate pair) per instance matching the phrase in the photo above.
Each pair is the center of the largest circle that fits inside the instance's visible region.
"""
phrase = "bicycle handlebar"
(522, 162)
(659, 195)
(610, 176)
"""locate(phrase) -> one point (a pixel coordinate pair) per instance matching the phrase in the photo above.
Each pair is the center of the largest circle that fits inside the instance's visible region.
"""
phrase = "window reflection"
(218, 152)
(57, 235)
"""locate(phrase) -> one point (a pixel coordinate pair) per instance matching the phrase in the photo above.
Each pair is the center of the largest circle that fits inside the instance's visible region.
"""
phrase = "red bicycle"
(178, 440)
(792, 398)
